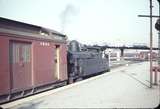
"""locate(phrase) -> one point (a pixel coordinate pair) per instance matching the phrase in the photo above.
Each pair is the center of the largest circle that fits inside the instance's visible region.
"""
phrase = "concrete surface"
(124, 87)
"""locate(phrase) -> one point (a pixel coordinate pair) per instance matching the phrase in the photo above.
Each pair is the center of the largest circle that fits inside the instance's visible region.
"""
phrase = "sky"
(114, 22)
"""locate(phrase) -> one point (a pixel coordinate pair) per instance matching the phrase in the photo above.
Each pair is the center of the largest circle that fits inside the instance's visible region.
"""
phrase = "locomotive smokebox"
(74, 46)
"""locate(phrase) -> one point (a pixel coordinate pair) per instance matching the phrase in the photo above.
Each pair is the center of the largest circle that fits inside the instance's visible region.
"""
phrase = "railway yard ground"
(125, 86)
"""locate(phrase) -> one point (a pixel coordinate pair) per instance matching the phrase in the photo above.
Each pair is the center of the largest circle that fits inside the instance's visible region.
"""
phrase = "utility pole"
(151, 33)
(151, 39)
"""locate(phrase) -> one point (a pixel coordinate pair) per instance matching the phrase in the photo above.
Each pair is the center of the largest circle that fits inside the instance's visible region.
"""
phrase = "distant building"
(132, 55)
(145, 55)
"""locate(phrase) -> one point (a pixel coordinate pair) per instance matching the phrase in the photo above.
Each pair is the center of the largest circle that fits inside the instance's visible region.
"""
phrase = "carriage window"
(20, 52)
(26, 53)
(15, 53)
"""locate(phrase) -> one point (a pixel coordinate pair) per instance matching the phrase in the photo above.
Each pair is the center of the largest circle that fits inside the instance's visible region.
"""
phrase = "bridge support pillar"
(122, 54)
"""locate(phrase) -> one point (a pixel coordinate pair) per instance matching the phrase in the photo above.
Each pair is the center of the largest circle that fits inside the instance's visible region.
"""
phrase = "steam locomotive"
(35, 59)
(85, 61)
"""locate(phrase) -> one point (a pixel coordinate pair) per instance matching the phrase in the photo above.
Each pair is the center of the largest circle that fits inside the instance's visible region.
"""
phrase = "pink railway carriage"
(32, 59)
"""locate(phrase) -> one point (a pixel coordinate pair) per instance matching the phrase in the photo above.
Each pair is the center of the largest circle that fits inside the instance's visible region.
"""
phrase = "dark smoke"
(66, 16)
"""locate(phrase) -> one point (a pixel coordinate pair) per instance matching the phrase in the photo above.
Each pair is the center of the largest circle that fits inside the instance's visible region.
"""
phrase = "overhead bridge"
(122, 48)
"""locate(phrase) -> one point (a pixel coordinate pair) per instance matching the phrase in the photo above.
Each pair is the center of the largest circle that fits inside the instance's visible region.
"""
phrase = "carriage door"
(57, 62)
(20, 59)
